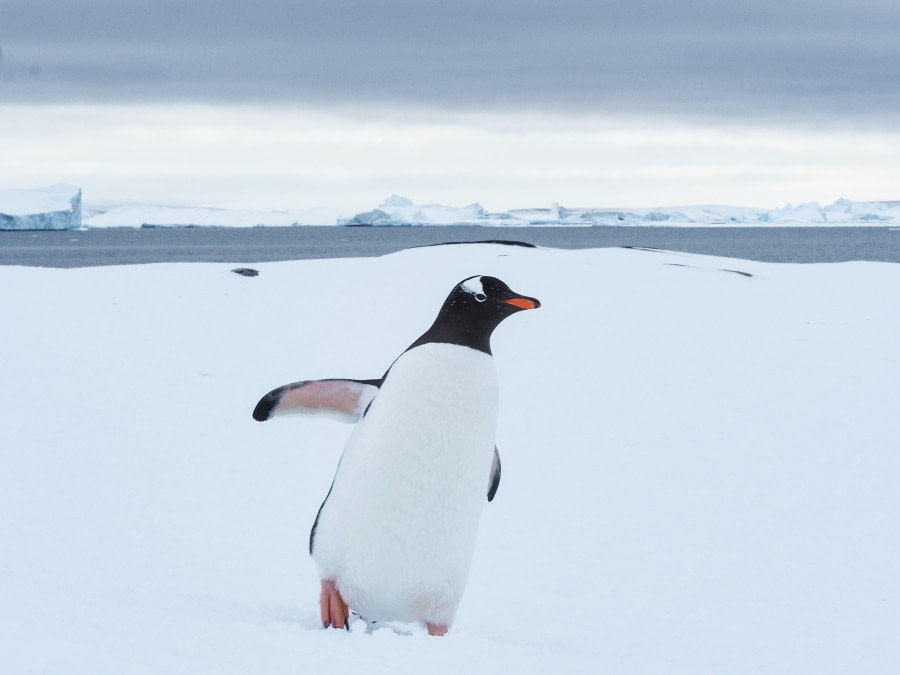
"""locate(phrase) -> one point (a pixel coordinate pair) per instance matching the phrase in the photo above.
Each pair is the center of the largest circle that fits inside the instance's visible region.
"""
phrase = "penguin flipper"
(344, 400)
(494, 482)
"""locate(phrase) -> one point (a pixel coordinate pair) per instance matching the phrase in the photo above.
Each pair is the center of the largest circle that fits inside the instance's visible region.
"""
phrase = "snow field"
(699, 467)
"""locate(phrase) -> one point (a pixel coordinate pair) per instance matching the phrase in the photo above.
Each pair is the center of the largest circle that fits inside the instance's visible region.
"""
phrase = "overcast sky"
(822, 67)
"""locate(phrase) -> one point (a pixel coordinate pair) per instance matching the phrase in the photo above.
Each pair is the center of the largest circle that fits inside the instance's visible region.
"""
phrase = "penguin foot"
(433, 629)
(335, 613)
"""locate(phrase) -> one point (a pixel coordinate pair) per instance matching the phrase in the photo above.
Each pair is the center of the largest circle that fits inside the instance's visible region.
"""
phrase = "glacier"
(397, 210)
(57, 207)
(401, 211)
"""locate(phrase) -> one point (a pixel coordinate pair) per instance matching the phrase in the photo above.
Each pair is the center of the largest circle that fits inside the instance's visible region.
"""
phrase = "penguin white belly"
(397, 531)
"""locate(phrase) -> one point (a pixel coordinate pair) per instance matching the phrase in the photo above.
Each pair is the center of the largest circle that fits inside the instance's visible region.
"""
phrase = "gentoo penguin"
(395, 535)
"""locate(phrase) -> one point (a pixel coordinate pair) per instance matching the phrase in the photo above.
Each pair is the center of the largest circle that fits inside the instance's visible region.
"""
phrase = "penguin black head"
(489, 296)
(473, 310)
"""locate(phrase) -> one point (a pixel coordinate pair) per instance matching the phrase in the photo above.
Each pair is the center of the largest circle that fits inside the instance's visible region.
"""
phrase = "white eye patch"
(474, 287)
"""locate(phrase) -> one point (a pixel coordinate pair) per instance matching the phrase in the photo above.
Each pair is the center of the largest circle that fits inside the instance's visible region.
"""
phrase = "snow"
(57, 207)
(699, 467)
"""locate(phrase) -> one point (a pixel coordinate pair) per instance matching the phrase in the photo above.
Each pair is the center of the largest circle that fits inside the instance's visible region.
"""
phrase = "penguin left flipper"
(494, 482)
(344, 400)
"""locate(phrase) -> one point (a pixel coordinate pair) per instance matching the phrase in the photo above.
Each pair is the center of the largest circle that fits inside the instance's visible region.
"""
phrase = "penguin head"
(473, 310)
(489, 296)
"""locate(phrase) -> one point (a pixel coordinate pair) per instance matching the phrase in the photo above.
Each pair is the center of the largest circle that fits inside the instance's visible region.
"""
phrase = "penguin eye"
(480, 297)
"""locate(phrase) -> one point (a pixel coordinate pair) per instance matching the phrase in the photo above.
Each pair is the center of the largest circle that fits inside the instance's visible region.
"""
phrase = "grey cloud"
(768, 58)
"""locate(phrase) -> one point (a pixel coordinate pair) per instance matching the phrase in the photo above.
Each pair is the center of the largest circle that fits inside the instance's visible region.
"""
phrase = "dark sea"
(90, 248)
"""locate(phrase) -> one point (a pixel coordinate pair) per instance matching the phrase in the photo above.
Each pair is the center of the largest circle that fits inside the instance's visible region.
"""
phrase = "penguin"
(395, 535)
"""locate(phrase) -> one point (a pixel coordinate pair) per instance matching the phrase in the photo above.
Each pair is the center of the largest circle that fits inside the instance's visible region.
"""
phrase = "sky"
(292, 104)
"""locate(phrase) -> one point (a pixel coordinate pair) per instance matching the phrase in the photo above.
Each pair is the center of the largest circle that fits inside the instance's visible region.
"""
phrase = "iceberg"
(57, 207)
(403, 212)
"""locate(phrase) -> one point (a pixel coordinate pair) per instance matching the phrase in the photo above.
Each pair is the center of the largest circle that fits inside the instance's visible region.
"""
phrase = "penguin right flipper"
(494, 482)
(344, 400)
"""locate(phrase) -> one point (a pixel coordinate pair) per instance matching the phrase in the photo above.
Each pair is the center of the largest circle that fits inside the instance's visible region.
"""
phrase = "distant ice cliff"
(400, 211)
(57, 207)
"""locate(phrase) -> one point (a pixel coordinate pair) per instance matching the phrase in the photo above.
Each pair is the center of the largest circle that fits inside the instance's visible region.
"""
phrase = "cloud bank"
(767, 60)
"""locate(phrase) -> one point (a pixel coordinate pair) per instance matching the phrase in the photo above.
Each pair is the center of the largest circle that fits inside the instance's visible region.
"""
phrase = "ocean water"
(90, 248)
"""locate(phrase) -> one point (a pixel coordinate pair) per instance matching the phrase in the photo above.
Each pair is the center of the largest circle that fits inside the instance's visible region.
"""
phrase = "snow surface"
(699, 467)
(57, 207)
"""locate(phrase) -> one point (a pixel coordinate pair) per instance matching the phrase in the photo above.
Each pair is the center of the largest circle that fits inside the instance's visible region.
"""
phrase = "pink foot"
(334, 609)
(440, 631)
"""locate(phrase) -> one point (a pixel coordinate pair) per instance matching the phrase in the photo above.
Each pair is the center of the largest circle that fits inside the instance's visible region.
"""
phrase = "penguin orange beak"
(524, 303)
